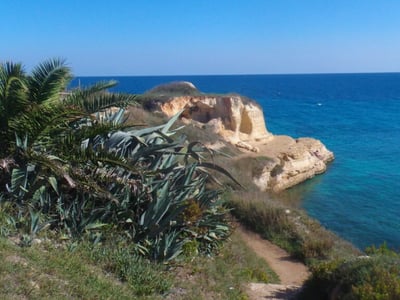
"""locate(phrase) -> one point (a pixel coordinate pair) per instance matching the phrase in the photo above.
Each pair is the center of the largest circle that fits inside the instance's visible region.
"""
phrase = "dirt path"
(291, 272)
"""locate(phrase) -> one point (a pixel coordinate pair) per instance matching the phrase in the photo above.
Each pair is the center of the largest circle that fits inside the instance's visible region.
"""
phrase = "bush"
(365, 277)
(266, 217)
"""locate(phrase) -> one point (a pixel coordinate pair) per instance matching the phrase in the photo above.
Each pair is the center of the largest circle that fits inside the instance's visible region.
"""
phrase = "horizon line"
(246, 74)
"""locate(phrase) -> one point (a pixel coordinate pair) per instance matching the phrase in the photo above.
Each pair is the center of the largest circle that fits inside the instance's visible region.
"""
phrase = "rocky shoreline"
(240, 121)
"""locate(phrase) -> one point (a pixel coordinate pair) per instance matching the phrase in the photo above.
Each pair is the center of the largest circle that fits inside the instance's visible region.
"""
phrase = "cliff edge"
(240, 121)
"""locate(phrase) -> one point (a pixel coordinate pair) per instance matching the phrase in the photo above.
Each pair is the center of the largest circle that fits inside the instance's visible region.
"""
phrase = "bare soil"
(291, 272)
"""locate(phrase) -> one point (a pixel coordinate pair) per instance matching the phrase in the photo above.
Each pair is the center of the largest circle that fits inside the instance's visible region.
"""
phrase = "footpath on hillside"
(291, 273)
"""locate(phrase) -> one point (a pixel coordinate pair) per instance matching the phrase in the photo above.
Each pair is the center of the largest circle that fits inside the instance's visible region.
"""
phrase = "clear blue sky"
(169, 37)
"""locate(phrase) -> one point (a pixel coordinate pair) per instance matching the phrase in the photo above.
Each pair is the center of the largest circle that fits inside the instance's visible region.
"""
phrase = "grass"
(43, 272)
(290, 228)
(67, 271)
(141, 276)
(225, 275)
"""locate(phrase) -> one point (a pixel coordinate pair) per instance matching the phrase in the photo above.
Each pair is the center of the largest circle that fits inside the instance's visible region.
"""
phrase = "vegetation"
(77, 168)
(50, 271)
(65, 270)
(376, 276)
(79, 178)
(86, 191)
(339, 270)
(289, 228)
(225, 275)
(163, 92)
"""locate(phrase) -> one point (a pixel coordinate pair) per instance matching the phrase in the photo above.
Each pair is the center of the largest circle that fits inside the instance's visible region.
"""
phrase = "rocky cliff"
(236, 119)
(291, 161)
(241, 122)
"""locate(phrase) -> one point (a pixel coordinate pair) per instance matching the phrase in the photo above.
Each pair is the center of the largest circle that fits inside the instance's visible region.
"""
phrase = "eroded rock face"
(241, 122)
(232, 117)
(292, 162)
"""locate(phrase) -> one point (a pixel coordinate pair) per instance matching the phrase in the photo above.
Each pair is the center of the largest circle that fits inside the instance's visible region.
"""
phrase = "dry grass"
(288, 227)
(137, 115)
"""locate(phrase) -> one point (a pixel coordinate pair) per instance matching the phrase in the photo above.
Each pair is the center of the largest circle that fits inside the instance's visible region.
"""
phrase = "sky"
(203, 37)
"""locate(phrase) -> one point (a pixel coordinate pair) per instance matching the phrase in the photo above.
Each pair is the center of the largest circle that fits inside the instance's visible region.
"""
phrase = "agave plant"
(166, 176)
(77, 167)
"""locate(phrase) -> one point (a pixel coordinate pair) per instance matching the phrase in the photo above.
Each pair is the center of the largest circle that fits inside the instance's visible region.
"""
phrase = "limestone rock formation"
(241, 122)
(292, 161)
(233, 117)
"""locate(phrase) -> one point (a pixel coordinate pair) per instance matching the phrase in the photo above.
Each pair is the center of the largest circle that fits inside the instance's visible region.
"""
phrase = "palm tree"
(74, 170)
(38, 126)
(30, 105)
(31, 108)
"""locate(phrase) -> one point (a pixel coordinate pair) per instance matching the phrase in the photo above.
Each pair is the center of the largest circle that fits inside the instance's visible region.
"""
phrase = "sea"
(357, 116)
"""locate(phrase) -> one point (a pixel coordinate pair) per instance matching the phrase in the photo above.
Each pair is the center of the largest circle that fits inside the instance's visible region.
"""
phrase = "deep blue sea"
(357, 116)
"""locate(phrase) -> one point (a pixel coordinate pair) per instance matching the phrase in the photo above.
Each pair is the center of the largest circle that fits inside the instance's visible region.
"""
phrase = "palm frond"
(54, 165)
(96, 98)
(100, 86)
(12, 79)
(13, 98)
(43, 123)
(47, 80)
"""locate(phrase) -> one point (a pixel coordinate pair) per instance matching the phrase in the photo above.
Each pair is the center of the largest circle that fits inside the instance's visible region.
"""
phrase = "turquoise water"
(357, 116)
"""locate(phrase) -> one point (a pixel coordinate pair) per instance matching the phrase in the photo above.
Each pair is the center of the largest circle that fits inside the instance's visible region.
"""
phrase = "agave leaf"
(117, 117)
(34, 222)
(164, 128)
(21, 144)
(168, 246)
(219, 169)
(18, 180)
(169, 124)
(95, 225)
(54, 184)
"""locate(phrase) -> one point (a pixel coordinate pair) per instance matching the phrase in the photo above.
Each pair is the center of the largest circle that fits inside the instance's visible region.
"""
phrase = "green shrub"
(264, 216)
(366, 277)
(317, 246)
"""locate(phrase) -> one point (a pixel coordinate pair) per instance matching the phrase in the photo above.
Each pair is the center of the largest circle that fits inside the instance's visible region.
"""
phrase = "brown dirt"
(291, 273)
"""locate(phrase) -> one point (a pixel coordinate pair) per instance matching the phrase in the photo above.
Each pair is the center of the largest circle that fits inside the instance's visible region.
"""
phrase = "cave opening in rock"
(246, 124)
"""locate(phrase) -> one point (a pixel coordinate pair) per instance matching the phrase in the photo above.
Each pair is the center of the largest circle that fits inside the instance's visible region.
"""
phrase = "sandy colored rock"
(292, 162)
(240, 121)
